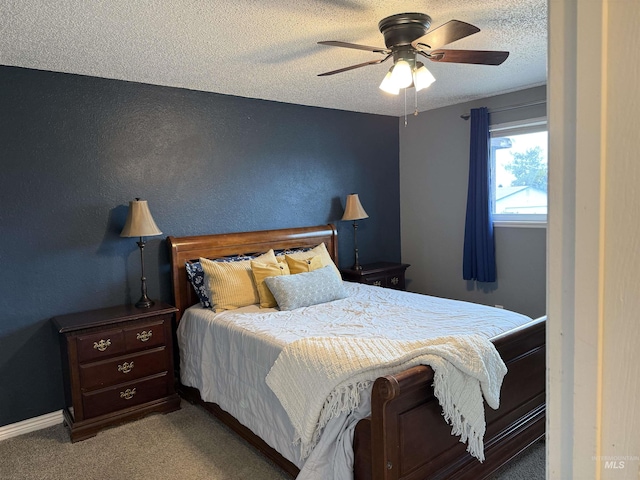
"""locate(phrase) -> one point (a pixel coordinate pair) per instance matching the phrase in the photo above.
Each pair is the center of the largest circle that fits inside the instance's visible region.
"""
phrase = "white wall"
(593, 333)
(434, 170)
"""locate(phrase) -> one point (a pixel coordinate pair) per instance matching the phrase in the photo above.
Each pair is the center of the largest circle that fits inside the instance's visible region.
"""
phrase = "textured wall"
(75, 150)
(434, 172)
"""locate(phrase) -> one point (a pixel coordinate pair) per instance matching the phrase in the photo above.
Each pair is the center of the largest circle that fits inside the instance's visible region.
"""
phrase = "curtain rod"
(466, 116)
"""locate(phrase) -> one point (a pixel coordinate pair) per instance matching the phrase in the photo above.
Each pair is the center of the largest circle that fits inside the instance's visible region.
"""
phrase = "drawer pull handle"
(126, 367)
(395, 280)
(378, 283)
(128, 393)
(102, 345)
(144, 335)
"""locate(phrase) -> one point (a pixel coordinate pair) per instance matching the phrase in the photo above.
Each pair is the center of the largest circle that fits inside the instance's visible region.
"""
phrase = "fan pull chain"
(405, 107)
(415, 112)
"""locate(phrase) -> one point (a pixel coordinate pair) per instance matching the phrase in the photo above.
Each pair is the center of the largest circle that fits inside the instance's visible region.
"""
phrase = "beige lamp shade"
(139, 221)
(354, 210)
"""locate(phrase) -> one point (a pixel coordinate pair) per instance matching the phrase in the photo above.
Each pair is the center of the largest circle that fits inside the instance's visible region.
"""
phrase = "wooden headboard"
(184, 249)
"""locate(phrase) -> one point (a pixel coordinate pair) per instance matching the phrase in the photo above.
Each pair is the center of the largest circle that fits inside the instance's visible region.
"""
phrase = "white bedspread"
(465, 367)
(228, 355)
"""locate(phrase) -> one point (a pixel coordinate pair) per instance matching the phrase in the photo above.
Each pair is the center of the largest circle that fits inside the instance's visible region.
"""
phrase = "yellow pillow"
(302, 265)
(320, 250)
(230, 284)
(260, 272)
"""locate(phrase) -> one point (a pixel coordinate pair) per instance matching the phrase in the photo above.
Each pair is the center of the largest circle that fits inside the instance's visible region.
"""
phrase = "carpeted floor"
(186, 444)
(530, 465)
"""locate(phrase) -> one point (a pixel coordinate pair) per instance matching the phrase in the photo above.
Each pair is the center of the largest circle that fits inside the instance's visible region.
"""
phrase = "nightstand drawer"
(124, 395)
(100, 345)
(144, 336)
(395, 280)
(378, 281)
(380, 274)
(122, 369)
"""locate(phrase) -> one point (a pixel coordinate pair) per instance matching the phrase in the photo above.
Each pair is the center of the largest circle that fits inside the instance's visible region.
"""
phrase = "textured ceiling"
(268, 49)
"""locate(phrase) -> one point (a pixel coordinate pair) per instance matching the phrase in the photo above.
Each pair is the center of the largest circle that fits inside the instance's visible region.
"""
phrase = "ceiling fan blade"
(478, 57)
(444, 34)
(352, 67)
(335, 43)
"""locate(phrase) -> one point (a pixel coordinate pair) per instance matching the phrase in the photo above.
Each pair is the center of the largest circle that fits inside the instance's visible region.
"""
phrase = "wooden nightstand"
(381, 274)
(117, 366)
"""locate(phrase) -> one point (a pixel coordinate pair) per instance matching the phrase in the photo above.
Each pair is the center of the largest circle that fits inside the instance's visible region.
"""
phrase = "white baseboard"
(31, 424)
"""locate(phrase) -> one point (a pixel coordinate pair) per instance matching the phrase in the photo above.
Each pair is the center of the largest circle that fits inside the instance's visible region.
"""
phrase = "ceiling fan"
(407, 36)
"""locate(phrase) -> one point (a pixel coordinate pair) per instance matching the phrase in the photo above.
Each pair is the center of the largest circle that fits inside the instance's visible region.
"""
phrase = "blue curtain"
(479, 260)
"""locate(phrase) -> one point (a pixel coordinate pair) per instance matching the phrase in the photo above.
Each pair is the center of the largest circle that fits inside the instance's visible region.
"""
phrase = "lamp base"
(144, 302)
(357, 266)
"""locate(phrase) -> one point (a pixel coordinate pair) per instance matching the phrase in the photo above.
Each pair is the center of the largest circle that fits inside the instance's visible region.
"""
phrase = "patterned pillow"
(306, 289)
(195, 274)
(281, 253)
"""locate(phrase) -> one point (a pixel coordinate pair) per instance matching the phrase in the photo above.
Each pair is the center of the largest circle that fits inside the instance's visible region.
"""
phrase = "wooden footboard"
(406, 437)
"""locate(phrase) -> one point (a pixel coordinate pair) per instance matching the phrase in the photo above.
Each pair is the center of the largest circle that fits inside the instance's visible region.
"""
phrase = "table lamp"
(140, 224)
(354, 211)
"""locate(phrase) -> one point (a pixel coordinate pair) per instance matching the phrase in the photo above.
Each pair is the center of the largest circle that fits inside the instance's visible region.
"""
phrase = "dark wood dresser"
(381, 274)
(117, 366)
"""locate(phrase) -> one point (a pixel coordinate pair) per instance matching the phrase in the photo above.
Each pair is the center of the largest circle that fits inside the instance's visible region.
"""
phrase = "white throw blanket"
(318, 378)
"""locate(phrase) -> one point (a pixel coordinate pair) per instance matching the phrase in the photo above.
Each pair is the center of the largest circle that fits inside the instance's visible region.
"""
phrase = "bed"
(402, 433)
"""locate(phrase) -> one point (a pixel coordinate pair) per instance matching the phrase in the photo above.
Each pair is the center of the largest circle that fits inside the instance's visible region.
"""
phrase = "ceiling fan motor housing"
(407, 35)
(403, 28)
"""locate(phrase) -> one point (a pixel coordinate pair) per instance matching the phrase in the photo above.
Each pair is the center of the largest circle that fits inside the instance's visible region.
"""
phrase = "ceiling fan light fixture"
(422, 78)
(407, 35)
(388, 86)
(401, 75)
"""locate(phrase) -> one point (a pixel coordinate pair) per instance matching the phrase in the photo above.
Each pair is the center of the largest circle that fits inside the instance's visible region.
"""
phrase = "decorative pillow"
(303, 264)
(322, 251)
(195, 274)
(306, 289)
(230, 285)
(288, 251)
(260, 272)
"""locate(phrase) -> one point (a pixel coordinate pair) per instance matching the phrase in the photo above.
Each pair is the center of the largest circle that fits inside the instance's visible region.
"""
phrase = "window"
(519, 171)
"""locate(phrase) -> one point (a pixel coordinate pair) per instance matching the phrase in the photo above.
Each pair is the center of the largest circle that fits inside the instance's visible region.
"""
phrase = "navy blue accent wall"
(75, 150)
